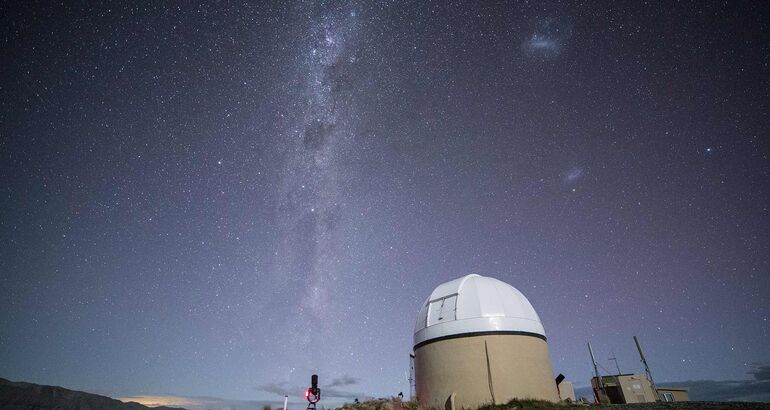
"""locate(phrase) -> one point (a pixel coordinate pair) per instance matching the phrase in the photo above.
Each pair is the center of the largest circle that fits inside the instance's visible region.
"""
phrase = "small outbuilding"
(478, 340)
(669, 394)
(636, 388)
(566, 391)
(626, 388)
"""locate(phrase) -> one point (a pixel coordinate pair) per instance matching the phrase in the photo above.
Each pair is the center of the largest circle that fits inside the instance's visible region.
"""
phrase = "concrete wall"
(637, 389)
(566, 391)
(520, 367)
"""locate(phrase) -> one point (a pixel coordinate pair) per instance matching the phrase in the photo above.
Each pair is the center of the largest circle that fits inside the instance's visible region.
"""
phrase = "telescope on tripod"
(313, 394)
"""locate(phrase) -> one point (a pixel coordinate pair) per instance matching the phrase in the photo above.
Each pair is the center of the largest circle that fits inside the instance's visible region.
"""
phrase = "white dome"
(475, 305)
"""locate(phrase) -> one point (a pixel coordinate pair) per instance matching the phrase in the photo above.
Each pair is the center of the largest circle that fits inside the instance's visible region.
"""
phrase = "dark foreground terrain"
(687, 405)
(543, 405)
(690, 405)
(20, 395)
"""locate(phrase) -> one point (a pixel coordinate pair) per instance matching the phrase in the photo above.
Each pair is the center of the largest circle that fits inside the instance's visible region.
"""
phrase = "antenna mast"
(412, 387)
(598, 376)
(647, 369)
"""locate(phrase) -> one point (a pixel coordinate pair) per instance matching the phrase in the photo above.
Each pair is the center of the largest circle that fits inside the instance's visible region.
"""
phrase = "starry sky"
(222, 199)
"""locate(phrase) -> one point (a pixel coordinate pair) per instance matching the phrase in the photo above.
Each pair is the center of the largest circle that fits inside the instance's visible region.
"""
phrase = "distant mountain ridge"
(21, 395)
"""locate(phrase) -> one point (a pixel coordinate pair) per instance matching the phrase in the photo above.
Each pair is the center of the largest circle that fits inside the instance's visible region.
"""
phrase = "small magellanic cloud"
(573, 175)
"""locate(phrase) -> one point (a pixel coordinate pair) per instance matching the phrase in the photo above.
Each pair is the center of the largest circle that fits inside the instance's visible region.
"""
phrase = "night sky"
(220, 200)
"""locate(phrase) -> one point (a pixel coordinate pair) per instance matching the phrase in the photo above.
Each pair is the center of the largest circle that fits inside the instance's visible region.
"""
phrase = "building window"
(668, 397)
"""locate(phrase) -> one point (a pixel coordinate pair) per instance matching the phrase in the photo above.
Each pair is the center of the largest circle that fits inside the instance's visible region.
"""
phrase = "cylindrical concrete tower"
(477, 341)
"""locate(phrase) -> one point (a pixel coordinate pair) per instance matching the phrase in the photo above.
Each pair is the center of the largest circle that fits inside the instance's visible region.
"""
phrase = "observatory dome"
(475, 305)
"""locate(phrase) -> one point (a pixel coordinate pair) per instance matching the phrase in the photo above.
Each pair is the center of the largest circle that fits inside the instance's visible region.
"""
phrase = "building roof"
(475, 304)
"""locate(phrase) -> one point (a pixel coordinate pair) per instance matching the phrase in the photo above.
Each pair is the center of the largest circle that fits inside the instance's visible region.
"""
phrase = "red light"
(307, 393)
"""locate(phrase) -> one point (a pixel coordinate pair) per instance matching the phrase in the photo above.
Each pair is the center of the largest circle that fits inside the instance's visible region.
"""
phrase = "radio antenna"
(647, 369)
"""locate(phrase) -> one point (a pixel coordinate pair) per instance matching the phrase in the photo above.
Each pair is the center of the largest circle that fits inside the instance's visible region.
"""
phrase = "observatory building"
(477, 341)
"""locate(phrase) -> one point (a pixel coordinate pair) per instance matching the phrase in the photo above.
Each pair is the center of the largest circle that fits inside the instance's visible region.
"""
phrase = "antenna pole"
(596, 372)
(647, 369)
(412, 387)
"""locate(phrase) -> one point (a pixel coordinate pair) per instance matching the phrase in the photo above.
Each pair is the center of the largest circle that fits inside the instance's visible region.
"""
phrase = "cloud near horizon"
(198, 402)
(345, 380)
(329, 390)
(761, 372)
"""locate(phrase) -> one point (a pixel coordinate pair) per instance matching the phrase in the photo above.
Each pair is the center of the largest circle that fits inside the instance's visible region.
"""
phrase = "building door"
(442, 310)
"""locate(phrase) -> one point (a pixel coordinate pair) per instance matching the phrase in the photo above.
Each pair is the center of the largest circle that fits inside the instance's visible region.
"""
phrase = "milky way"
(311, 202)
